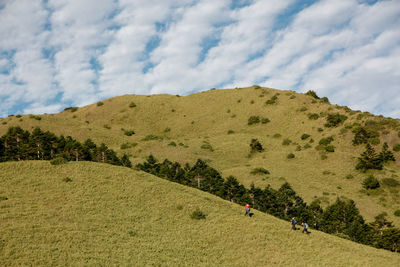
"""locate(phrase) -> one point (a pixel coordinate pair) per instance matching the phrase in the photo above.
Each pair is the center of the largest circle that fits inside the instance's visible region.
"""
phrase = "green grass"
(107, 215)
(204, 116)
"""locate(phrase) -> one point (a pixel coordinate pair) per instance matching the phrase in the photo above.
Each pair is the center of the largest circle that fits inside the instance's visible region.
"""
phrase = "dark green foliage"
(371, 182)
(325, 100)
(329, 148)
(125, 161)
(369, 160)
(132, 105)
(302, 109)
(255, 146)
(290, 156)
(67, 180)
(197, 215)
(260, 170)
(128, 145)
(312, 94)
(38, 118)
(72, 109)
(286, 142)
(334, 119)
(364, 135)
(99, 104)
(207, 146)
(305, 136)
(18, 116)
(231, 132)
(167, 130)
(3, 198)
(129, 132)
(264, 120)
(390, 182)
(172, 143)
(313, 116)
(253, 120)
(396, 147)
(107, 126)
(272, 100)
(58, 161)
(397, 213)
(326, 141)
(277, 135)
(386, 155)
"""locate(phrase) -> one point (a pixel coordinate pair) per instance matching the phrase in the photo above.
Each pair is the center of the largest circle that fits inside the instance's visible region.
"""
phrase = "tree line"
(341, 218)
(19, 144)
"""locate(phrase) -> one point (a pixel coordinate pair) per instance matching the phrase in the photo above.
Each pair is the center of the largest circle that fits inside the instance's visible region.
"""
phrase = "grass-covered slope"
(213, 125)
(107, 215)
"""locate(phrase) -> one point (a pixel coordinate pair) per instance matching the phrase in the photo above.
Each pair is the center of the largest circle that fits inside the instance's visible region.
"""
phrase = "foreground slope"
(108, 215)
(213, 125)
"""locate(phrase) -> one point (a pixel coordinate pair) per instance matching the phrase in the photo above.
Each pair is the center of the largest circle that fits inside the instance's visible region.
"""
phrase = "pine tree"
(386, 155)
(369, 160)
(125, 161)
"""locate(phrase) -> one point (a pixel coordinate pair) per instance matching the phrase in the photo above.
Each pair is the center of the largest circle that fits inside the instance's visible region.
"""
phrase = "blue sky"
(56, 54)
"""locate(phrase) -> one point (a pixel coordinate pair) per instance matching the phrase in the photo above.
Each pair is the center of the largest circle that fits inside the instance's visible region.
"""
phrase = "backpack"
(306, 225)
(294, 221)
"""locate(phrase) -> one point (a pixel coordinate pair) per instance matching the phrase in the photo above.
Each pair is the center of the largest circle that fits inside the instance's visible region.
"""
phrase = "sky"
(60, 53)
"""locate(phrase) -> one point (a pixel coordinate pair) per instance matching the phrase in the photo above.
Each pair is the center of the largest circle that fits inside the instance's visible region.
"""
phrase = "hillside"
(213, 125)
(108, 215)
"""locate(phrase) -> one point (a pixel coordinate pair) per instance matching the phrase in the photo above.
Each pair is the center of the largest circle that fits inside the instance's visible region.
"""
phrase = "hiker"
(247, 207)
(305, 228)
(293, 222)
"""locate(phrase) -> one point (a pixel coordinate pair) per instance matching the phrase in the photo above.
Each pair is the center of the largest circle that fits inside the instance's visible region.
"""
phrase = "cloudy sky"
(60, 53)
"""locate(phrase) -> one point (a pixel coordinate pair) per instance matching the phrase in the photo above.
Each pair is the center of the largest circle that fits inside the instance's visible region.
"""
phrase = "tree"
(233, 191)
(255, 146)
(369, 160)
(125, 161)
(371, 182)
(16, 144)
(386, 155)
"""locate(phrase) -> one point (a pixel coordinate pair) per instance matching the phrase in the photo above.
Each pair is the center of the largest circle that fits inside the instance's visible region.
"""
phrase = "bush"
(58, 161)
(231, 132)
(302, 109)
(305, 136)
(255, 146)
(265, 120)
(99, 104)
(333, 120)
(396, 147)
(132, 105)
(151, 137)
(326, 141)
(128, 145)
(397, 213)
(172, 143)
(107, 126)
(207, 146)
(312, 94)
(277, 135)
(290, 156)
(272, 100)
(313, 116)
(260, 170)
(72, 109)
(129, 132)
(330, 148)
(2, 198)
(253, 120)
(286, 142)
(197, 215)
(166, 130)
(390, 182)
(349, 176)
(325, 100)
(371, 182)
(67, 180)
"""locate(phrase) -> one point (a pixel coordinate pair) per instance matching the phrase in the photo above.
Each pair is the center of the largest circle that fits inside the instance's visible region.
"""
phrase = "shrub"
(277, 135)
(255, 146)
(333, 120)
(390, 182)
(260, 170)
(290, 156)
(18, 116)
(38, 118)
(151, 137)
(265, 120)
(286, 142)
(363, 135)
(306, 146)
(128, 145)
(312, 94)
(197, 215)
(107, 126)
(302, 109)
(298, 148)
(292, 97)
(313, 116)
(330, 148)
(320, 130)
(72, 109)
(231, 132)
(207, 146)
(349, 176)
(166, 130)
(129, 132)
(272, 100)
(325, 100)
(67, 180)
(304, 136)
(326, 141)
(371, 182)
(132, 105)
(172, 143)
(397, 213)
(58, 161)
(253, 120)
(99, 104)
(2, 198)
(396, 147)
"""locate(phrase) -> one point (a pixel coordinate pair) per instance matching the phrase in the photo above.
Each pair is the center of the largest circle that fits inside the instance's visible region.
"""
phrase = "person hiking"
(305, 228)
(247, 208)
(293, 222)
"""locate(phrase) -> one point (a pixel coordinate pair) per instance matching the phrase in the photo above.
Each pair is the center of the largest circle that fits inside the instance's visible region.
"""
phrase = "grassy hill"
(213, 125)
(86, 213)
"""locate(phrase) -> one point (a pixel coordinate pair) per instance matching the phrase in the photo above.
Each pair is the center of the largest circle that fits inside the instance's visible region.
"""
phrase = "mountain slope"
(213, 125)
(104, 215)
